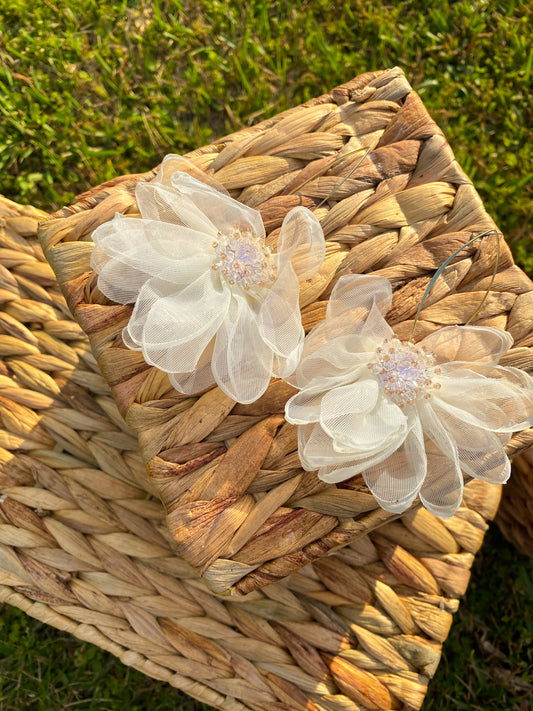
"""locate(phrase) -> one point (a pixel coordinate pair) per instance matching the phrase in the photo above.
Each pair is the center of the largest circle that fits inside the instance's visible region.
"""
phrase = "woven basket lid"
(240, 508)
(84, 545)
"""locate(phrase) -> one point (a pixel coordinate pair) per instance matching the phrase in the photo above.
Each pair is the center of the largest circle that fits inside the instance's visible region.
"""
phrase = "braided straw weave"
(84, 545)
(240, 508)
(515, 515)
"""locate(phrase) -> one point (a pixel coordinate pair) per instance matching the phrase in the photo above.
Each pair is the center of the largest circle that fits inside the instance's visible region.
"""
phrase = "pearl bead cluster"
(243, 259)
(405, 372)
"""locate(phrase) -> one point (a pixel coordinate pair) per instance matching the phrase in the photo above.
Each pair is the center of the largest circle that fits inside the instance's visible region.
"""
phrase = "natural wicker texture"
(515, 515)
(84, 546)
(239, 507)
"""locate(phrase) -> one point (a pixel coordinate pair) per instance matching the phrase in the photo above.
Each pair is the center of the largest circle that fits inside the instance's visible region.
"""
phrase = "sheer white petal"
(354, 319)
(164, 204)
(304, 407)
(357, 398)
(304, 433)
(280, 322)
(183, 194)
(316, 449)
(335, 463)
(127, 237)
(128, 252)
(358, 293)
(337, 473)
(173, 163)
(396, 481)
(353, 466)
(468, 343)
(488, 396)
(375, 329)
(320, 451)
(359, 336)
(220, 209)
(195, 382)
(332, 359)
(173, 329)
(301, 241)
(116, 280)
(434, 429)
(357, 417)
(242, 361)
(120, 282)
(128, 340)
(442, 490)
(481, 452)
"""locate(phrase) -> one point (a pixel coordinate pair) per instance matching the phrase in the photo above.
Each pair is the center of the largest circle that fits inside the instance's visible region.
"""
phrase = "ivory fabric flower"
(212, 302)
(411, 418)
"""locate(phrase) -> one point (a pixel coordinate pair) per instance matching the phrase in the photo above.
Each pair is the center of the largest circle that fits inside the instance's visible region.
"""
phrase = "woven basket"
(515, 515)
(240, 508)
(84, 545)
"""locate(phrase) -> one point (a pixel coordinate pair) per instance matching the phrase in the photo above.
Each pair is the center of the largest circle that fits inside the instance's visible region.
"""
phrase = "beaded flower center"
(243, 259)
(405, 372)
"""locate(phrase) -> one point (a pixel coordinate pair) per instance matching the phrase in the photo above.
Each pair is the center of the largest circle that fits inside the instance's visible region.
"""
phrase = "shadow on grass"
(487, 663)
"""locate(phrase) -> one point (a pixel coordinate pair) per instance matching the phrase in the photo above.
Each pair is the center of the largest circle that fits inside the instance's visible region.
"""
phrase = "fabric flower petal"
(334, 463)
(221, 210)
(357, 417)
(195, 382)
(303, 408)
(242, 361)
(301, 241)
(481, 453)
(396, 481)
(165, 205)
(335, 363)
(118, 281)
(485, 395)
(442, 490)
(173, 329)
(355, 312)
(468, 343)
(337, 462)
(128, 238)
(173, 163)
(315, 448)
(358, 293)
(129, 251)
(334, 473)
(375, 329)
(280, 322)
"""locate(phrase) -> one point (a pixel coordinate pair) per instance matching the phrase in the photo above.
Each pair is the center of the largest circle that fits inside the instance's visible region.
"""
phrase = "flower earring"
(212, 303)
(409, 418)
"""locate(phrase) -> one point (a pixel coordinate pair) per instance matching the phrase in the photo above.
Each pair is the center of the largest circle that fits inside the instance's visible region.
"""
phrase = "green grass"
(46, 670)
(488, 658)
(96, 89)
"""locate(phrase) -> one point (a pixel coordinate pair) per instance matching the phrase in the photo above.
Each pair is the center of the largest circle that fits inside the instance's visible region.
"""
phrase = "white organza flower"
(410, 418)
(212, 303)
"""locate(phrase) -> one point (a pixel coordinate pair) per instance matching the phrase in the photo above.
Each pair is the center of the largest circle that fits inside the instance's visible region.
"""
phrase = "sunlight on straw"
(443, 267)
(488, 289)
(337, 160)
